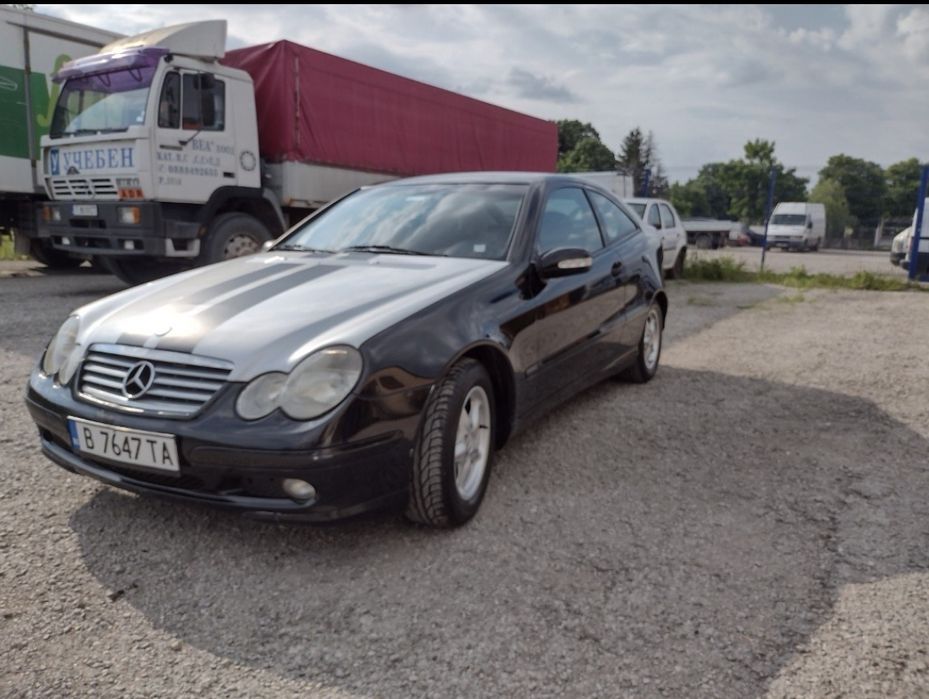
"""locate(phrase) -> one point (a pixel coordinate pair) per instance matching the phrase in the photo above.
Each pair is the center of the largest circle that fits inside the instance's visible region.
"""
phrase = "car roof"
(490, 178)
(643, 200)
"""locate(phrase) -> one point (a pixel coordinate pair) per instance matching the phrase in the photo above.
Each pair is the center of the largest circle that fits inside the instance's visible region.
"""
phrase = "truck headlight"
(314, 387)
(63, 353)
(129, 215)
(51, 213)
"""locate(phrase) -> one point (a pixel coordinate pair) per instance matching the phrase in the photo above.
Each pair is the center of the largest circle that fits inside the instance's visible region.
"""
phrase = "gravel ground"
(828, 261)
(753, 522)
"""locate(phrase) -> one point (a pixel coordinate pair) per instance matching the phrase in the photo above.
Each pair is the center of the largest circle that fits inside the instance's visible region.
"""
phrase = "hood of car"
(266, 312)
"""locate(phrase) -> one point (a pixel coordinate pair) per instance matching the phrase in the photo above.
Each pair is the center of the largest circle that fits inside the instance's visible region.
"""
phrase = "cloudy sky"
(816, 79)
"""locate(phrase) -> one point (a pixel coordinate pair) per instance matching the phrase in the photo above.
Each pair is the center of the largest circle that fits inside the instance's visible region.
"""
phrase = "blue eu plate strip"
(72, 428)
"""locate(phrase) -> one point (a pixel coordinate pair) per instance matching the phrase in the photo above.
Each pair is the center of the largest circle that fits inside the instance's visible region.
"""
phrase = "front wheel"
(232, 235)
(52, 258)
(454, 451)
(646, 362)
(138, 270)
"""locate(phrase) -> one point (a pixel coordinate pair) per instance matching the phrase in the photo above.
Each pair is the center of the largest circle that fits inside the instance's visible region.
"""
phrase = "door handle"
(617, 268)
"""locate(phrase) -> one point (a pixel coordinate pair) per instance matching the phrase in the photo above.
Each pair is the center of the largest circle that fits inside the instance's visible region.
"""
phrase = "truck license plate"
(133, 447)
(84, 209)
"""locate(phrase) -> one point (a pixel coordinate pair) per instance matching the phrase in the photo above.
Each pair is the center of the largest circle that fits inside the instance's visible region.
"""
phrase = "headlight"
(61, 351)
(129, 215)
(315, 386)
(261, 397)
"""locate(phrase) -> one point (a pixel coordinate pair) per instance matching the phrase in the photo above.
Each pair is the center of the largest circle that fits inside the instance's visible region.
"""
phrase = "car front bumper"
(229, 463)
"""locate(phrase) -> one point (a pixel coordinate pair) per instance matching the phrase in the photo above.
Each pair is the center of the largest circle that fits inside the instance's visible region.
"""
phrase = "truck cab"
(151, 161)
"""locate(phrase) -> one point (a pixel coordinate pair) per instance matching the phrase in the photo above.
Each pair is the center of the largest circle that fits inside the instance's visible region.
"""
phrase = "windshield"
(103, 102)
(789, 219)
(638, 208)
(458, 220)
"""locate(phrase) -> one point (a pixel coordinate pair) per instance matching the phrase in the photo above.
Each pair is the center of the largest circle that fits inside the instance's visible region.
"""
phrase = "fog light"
(130, 215)
(65, 241)
(128, 245)
(299, 490)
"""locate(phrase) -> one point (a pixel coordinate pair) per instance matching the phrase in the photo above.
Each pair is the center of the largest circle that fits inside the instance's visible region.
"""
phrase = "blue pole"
(648, 175)
(918, 227)
(772, 178)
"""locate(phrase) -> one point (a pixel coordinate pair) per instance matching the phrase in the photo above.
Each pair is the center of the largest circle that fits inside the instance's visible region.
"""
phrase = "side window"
(616, 222)
(568, 222)
(653, 216)
(667, 218)
(169, 106)
(203, 102)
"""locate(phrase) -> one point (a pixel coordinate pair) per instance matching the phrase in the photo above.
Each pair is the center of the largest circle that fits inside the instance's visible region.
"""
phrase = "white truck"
(32, 48)
(797, 226)
(708, 233)
(165, 151)
(619, 184)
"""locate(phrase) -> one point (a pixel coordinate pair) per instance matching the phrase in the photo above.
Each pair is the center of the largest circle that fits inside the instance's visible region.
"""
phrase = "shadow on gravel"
(679, 538)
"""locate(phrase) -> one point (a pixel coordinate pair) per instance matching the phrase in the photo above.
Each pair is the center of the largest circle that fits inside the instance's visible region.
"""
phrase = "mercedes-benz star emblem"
(140, 378)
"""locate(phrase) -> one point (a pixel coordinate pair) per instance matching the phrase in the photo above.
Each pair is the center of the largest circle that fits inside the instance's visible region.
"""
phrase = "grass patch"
(6, 248)
(726, 269)
(792, 298)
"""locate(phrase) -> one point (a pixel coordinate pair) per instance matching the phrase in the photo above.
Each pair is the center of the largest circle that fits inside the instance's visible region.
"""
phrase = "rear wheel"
(454, 451)
(232, 235)
(646, 363)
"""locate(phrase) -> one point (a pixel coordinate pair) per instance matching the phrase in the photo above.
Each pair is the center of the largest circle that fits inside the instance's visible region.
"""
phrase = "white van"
(903, 241)
(797, 226)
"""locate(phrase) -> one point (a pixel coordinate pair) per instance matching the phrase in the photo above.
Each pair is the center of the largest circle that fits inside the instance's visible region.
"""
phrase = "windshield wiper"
(389, 249)
(301, 248)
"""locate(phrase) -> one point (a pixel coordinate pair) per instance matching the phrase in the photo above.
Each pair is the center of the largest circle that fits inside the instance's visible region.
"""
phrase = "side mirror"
(809, 224)
(563, 262)
(265, 246)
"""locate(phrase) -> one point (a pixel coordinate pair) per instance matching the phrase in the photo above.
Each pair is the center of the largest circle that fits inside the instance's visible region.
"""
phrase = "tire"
(816, 247)
(51, 258)
(440, 494)
(704, 242)
(232, 235)
(139, 270)
(646, 365)
(677, 270)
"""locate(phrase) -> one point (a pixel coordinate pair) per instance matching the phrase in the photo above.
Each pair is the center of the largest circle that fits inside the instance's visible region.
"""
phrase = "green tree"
(638, 154)
(902, 187)
(690, 199)
(830, 193)
(571, 132)
(589, 155)
(746, 182)
(863, 183)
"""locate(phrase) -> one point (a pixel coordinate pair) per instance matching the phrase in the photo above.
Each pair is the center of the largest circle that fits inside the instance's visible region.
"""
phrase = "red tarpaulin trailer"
(314, 107)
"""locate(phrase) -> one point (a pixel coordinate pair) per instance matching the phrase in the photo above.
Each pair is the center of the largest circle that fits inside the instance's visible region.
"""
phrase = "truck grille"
(179, 386)
(84, 188)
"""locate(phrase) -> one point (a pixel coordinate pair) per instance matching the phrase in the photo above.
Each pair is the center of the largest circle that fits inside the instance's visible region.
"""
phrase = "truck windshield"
(102, 103)
(789, 219)
(457, 220)
(638, 208)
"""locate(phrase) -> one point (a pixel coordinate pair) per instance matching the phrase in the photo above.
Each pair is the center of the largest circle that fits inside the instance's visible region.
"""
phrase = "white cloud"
(705, 79)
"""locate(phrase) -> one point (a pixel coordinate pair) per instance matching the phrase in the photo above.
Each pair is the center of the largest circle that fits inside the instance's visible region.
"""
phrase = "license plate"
(133, 447)
(84, 209)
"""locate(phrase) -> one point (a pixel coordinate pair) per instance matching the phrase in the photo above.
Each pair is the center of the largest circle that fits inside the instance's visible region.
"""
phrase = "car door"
(570, 312)
(671, 231)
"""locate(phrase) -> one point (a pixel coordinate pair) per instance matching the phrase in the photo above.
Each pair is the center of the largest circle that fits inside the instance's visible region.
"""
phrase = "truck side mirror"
(809, 224)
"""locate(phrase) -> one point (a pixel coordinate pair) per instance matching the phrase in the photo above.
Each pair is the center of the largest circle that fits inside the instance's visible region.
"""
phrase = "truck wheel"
(704, 242)
(138, 270)
(232, 235)
(646, 363)
(455, 448)
(51, 258)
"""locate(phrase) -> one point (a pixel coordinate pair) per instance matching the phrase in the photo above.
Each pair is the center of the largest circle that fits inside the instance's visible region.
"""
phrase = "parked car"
(378, 353)
(662, 217)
